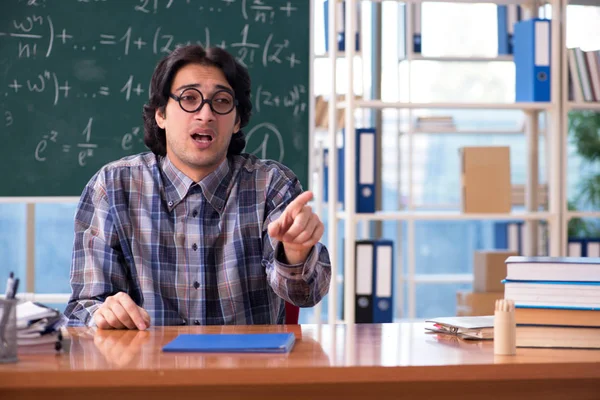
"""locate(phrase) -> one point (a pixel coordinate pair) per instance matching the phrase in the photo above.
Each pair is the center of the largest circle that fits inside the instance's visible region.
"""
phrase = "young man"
(195, 232)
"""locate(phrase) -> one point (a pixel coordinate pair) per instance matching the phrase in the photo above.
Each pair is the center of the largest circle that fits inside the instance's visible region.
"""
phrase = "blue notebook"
(232, 343)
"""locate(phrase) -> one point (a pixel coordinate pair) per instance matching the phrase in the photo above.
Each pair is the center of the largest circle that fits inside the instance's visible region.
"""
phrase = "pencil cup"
(8, 331)
(505, 328)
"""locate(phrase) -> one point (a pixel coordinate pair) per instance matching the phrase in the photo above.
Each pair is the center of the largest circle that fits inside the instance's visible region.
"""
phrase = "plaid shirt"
(190, 253)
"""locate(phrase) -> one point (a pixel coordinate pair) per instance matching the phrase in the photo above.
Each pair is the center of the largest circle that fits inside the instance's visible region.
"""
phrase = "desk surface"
(323, 355)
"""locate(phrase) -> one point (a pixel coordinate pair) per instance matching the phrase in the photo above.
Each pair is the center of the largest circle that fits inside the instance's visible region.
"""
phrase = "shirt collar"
(178, 185)
(215, 185)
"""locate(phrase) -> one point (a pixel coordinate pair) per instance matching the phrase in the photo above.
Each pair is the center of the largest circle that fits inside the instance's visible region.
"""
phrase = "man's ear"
(159, 116)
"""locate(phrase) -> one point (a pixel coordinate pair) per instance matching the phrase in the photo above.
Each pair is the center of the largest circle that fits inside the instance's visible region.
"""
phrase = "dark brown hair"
(236, 74)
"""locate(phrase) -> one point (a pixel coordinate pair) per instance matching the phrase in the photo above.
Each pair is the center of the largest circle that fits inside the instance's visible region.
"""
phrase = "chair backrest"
(292, 313)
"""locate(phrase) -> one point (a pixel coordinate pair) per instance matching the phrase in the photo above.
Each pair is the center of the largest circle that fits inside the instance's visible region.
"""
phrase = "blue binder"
(532, 60)
(508, 15)
(374, 281)
(508, 235)
(365, 171)
(340, 175)
(417, 40)
(232, 343)
(341, 35)
(383, 280)
(583, 247)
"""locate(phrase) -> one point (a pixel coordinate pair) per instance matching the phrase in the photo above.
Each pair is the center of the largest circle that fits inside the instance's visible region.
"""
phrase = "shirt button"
(196, 322)
(196, 285)
(170, 204)
(195, 213)
(194, 247)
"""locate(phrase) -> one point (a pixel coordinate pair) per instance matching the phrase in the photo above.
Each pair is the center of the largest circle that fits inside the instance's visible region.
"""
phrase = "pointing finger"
(298, 203)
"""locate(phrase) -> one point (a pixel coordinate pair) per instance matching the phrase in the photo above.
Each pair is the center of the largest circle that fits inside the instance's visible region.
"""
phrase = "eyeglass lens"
(191, 100)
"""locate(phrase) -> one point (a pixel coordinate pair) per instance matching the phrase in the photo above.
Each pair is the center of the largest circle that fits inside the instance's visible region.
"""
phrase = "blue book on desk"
(232, 343)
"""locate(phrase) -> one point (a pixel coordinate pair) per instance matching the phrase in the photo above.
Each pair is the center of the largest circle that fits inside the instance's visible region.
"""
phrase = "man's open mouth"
(202, 138)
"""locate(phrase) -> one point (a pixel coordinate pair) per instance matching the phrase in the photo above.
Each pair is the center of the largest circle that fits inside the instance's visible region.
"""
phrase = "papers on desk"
(233, 343)
(476, 328)
(38, 324)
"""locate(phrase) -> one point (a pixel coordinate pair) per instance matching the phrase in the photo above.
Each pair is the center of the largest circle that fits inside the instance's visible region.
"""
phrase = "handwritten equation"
(50, 143)
(50, 140)
(36, 34)
(76, 73)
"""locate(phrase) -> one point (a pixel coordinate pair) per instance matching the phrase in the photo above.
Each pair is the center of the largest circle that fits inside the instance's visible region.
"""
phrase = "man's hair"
(236, 74)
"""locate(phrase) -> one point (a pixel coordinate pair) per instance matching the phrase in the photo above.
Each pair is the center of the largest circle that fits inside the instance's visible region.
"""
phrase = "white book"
(578, 295)
(583, 269)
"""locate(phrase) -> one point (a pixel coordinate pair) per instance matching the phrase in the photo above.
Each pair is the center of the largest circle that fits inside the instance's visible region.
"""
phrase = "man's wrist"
(292, 257)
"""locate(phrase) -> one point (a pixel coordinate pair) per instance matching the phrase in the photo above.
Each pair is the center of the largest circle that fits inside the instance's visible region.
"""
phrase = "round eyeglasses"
(192, 100)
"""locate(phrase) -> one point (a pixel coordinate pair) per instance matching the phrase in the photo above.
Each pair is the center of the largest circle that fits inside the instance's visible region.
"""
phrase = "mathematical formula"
(76, 84)
(50, 140)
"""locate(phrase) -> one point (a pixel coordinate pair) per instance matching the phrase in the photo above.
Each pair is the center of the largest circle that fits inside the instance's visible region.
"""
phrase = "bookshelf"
(411, 214)
(569, 105)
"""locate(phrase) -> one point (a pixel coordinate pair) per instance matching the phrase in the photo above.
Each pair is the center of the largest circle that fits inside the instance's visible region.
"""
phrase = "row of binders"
(508, 16)
(584, 75)
(374, 281)
(415, 16)
(529, 40)
(510, 235)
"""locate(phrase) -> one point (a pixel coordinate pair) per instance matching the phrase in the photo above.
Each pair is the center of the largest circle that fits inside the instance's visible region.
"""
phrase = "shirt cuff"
(295, 271)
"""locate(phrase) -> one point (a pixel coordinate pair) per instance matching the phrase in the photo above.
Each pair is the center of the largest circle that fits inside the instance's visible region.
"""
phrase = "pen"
(15, 287)
(11, 291)
(9, 283)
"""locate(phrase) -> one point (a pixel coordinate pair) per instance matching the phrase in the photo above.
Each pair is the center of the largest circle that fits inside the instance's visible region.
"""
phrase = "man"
(195, 232)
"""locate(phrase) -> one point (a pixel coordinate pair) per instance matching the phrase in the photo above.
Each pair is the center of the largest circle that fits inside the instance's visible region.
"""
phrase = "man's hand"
(120, 312)
(298, 228)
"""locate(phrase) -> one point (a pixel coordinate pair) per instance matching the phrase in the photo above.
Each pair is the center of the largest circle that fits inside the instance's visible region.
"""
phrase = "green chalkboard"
(74, 75)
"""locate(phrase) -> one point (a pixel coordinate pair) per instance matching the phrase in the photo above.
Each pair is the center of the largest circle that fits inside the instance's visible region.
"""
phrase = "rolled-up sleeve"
(96, 266)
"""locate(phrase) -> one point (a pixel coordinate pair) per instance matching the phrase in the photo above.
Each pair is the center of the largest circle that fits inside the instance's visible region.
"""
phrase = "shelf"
(520, 2)
(584, 3)
(441, 278)
(430, 278)
(418, 57)
(464, 132)
(583, 106)
(445, 216)
(340, 54)
(583, 214)
(474, 106)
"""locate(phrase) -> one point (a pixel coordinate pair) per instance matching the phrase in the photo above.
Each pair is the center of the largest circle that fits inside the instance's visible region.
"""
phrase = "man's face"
(197, 142)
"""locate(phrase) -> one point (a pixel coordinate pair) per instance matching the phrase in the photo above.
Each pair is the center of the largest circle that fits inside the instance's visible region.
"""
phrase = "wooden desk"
(354, 361)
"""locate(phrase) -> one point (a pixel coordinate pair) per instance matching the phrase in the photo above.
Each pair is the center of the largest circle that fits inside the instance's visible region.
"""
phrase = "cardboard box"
(489, 269)
(473, 304)
(486, 179)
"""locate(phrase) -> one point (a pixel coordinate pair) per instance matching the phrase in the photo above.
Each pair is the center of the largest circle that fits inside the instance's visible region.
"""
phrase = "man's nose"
(205, 113)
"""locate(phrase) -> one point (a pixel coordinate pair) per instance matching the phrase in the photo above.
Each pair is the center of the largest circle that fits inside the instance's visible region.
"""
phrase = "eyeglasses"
(192, 100)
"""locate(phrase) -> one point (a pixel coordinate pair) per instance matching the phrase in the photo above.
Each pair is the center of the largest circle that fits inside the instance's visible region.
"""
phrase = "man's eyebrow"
(189, 85)
(197, 86)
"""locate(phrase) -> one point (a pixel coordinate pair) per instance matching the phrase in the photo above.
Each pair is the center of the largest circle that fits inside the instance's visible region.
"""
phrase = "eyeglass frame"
(204, 100)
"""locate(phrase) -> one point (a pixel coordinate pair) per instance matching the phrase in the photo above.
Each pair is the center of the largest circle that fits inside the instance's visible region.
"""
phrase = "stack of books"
(39, 327)
(557, 300)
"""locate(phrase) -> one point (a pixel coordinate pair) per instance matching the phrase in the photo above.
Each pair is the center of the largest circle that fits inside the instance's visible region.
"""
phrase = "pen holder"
(8, 331)
(505, 328)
